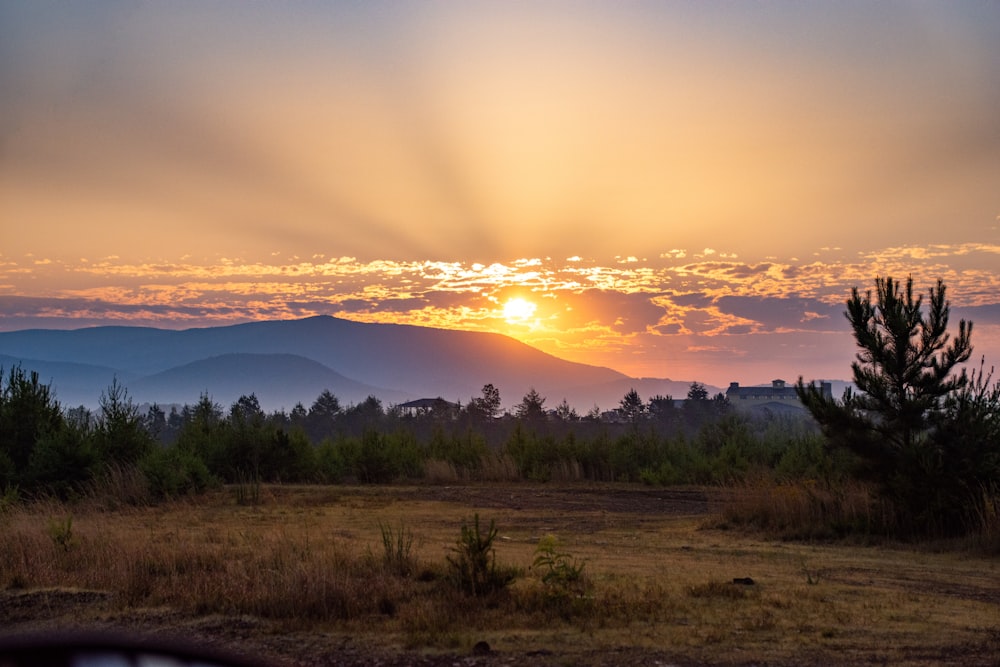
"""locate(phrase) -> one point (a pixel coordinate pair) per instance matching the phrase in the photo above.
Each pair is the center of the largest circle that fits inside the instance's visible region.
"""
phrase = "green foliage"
(473, 565)
(381, 458)
(172, 472)
(333, 462)
(120, 435)
(62, 462)
(28, 413)
(561, 573)
(534, 454)
(465, 449)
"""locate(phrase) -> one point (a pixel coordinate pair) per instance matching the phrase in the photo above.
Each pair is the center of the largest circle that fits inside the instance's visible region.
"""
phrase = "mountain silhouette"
(287, 361)
(276, 379)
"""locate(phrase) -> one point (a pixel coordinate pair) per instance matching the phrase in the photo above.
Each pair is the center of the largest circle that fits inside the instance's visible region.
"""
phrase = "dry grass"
(807, 510)
(310, 560)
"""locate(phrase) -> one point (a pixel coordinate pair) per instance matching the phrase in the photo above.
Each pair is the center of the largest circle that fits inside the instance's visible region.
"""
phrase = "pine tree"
(905, 372)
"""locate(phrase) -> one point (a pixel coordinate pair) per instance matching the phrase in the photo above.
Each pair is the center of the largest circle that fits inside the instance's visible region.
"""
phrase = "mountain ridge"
(394, 362)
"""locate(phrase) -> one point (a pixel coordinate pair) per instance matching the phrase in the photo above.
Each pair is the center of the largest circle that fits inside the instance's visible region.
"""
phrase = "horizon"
(684, 191)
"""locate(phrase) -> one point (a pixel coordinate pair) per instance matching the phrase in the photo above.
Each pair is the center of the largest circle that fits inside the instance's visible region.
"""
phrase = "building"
(423, 406)
(777, 397)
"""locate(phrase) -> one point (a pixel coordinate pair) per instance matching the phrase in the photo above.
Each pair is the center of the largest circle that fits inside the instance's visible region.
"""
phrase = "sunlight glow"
(518, 310)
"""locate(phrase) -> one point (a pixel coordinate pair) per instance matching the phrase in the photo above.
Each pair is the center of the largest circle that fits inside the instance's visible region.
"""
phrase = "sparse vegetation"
(659, 581)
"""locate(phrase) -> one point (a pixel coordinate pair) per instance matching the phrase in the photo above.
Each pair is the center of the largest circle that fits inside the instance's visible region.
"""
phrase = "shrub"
(561, 573)
(174, 472)
(474, 568)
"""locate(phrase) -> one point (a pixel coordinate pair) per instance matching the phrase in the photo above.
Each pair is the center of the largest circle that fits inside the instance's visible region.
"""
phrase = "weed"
(61, 532)
(561, 573)
(397, 548)
(474, 566)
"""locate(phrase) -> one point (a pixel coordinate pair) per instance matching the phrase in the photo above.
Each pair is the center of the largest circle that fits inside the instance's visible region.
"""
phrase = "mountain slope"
(410, 360)
(278, 381)
(74, 383)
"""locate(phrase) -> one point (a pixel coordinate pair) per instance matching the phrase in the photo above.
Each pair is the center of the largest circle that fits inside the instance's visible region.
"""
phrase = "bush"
(561, 573)
(173, 472)
(474, 568)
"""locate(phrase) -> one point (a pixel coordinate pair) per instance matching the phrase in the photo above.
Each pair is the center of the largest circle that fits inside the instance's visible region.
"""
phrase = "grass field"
(355, 575)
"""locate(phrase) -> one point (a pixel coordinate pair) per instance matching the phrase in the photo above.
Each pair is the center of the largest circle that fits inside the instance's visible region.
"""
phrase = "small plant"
(396, 549)
(61, 532)
(812, 576)
(247, 488)
(474, 566)
(561, 573)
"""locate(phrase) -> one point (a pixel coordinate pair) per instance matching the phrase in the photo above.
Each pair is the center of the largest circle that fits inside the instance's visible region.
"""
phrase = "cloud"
(779, 314)
(635, 317)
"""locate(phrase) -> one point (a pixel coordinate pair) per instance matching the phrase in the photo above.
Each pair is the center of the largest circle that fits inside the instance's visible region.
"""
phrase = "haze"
(683, 190)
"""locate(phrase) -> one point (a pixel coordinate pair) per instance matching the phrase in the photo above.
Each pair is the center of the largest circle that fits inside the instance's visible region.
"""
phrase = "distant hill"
(394, 362)
(74, 383)
(280, 380)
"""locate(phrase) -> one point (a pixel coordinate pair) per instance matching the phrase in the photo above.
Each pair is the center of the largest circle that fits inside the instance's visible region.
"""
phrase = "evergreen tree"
(120, 435)
(488, 405)
(29, 412)
(631, 406)
(532, 407)
(905, 374)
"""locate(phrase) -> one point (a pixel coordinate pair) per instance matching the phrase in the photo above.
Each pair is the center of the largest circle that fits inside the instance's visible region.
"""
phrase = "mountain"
(276, 379)
(75, 383)
(392, 361)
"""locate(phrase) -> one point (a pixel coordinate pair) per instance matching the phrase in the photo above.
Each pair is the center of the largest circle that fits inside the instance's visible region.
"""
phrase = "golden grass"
(310, 560)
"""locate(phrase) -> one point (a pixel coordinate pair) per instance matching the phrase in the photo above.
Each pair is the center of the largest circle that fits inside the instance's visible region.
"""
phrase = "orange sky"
(680, 190)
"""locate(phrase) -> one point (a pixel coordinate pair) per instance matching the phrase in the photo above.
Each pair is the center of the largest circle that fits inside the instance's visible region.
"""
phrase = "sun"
(518, 310)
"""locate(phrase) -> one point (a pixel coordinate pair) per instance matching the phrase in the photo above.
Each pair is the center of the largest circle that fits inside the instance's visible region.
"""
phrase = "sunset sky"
(670, 189)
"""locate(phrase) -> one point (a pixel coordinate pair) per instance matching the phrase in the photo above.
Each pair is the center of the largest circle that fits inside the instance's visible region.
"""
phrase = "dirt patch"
(988, 591)
(618, 500)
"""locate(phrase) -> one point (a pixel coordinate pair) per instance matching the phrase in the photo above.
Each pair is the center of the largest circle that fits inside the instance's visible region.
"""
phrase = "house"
(423, 406)
(777, 397)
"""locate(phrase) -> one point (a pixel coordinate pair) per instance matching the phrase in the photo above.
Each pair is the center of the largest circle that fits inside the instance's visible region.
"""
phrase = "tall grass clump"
(247, 487)
(807, 509)
(397, 549)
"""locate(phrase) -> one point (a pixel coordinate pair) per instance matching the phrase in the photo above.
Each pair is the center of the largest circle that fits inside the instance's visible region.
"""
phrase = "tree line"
(45, 449)
(920, 429)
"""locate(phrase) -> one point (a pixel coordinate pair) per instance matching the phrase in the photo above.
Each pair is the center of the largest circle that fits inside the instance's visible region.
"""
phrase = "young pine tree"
(905, 371)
